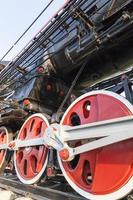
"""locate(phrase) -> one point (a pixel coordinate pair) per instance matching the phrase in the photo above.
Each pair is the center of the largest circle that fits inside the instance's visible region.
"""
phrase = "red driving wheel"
(30, 162)
(105, 173)
(5, 137)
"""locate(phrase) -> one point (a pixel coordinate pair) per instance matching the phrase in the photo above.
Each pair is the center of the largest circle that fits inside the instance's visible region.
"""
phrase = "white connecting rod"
(29, 143)
(98, 134)
(105, 132)
(3, 146)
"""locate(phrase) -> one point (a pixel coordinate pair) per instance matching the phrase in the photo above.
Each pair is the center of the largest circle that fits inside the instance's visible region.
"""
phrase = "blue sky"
(16, 16)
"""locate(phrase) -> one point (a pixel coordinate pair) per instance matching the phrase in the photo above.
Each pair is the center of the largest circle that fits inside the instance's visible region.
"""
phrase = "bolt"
(64, 154)
(125, 16)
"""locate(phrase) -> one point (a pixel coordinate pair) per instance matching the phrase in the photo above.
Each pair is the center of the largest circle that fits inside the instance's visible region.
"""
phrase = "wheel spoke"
(40, 154)
(36, 127)
(78, 171)
(1, 154)
(31, 167)
(21, 165)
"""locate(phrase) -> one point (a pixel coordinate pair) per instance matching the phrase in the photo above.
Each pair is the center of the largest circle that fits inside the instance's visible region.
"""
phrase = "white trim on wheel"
(128, 187)
(38, 176)
(6, 131)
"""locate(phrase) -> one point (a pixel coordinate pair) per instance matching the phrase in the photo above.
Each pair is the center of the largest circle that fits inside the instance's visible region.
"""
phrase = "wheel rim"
(30, 163)
(5, 137)
(106, 172)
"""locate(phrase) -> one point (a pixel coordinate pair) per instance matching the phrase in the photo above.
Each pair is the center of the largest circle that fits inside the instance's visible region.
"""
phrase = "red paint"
(12, 145)
(109, 167)
(49, 87)
(49, 171)
(3, 140)
(61, 94)
(40, 69)
(26, 102)
(64, 154)
(30, 160)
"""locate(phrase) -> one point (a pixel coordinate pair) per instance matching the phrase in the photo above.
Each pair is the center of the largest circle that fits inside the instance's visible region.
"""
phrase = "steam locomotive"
(66, 101)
